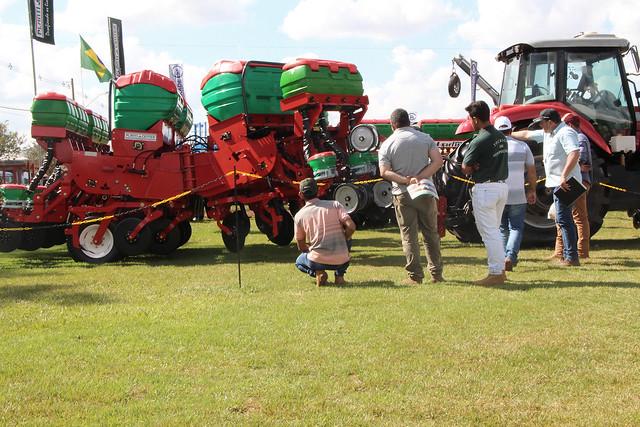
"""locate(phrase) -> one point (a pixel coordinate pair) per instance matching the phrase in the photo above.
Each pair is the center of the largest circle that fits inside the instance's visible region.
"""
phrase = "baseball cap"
(571, 119)
(548, 114)
(502, 123)
(308, 187)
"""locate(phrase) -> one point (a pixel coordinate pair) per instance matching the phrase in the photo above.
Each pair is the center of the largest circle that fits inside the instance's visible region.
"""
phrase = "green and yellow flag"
(90, 61)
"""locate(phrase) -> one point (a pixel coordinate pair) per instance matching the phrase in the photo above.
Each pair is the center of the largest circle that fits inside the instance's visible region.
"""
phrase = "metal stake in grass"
(235, 197)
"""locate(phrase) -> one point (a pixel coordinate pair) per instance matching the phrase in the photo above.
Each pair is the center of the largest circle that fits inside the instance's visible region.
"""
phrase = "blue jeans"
(305, 265)
(512, 229)
(564, 219)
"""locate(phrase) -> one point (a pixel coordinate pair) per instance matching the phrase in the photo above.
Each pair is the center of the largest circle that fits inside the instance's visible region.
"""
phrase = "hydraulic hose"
(33, 185)
(340, 154)
(57, 173)
(306, 138)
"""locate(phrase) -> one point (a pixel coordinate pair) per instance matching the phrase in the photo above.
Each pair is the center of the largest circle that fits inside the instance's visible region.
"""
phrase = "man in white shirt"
(561, 152)
(521, 162)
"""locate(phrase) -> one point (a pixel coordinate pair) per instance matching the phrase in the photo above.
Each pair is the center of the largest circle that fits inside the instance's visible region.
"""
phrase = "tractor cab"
(585, 73)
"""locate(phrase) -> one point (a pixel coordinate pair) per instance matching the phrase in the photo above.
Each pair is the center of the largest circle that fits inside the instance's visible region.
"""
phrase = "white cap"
(502, 123)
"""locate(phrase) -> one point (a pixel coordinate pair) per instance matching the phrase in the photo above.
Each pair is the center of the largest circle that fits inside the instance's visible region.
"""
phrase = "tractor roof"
(582, 40)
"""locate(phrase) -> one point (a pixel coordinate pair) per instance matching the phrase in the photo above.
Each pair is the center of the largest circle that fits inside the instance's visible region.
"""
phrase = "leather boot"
(491, 280)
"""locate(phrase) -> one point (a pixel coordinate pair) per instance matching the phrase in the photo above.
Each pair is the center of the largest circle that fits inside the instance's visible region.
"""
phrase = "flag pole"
(33, 58)
(83, 98)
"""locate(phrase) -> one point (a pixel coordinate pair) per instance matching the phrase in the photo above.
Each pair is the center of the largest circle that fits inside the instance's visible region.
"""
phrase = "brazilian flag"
(90, 61)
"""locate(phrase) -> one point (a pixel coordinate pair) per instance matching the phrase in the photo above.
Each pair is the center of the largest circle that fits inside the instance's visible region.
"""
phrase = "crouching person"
(323, 231)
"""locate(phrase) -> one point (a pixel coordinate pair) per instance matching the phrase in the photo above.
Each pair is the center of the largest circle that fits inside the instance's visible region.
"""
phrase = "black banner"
(41, 20)
(117, 51)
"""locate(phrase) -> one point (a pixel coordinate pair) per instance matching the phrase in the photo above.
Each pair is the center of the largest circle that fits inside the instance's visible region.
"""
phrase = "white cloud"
(417, 79)
(310, 55)
(418, 85)
(81, 16)
(373, 19)
(4, 4)
(56, 65)
(524, 20)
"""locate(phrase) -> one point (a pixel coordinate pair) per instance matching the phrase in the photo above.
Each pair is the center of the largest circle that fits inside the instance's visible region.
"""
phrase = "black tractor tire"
(185, 232)
(285, 230)
(285, 227)
(538, 229)
(598, 197)
(94, 254)
(132, 247)
(54, 236)
(170, 242)
(234, 242)
(9, 240)
(33, 239)
(459, 221)
(541, 230)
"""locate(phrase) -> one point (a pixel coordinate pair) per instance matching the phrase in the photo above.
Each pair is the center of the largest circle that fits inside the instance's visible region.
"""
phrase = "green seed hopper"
(321, 77)
(236, 87)
(56, 110)
(15, 196)
(144, 98)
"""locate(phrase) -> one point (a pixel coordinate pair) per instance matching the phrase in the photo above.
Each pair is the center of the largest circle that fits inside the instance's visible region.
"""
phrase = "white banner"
(175, 72)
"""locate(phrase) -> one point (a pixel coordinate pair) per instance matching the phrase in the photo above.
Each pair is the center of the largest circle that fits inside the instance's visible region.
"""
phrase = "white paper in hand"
(423, 188)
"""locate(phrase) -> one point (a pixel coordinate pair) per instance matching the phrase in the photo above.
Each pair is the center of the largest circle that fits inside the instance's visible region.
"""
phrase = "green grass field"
(173, 341)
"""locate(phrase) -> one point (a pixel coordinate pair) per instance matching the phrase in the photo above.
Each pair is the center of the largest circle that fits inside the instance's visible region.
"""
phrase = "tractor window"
(595, 89)
(8, 177)
(509, 92)
(540, 78)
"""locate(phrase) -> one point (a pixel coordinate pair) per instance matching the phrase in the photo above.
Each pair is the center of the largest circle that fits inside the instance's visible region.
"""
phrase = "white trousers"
(488, 203)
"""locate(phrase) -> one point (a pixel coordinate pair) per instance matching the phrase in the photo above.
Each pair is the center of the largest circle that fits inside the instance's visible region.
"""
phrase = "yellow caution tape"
(613, 187)
(185, 193)
(92, 220)
(368, 181)
(468, 181)
(170, 199)
(19, 229)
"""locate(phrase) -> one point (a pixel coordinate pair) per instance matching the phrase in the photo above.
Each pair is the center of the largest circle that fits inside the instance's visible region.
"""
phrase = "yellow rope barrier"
(18, 229)
(613, 187)
(468, 181)
(185, 193)
(92, 220)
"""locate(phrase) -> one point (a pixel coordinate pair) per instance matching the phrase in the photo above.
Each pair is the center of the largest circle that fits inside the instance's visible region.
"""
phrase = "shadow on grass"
(616, 244)
(545, 284)
(189, 256)
(51, 294)
(39, 260)
(208, 255)
(395, 243)
(25, 262)
(377, 242)
(615, 264)
(385, 260)
(368, 284)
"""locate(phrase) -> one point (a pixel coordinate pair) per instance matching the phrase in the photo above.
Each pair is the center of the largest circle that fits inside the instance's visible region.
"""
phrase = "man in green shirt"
(486, 160)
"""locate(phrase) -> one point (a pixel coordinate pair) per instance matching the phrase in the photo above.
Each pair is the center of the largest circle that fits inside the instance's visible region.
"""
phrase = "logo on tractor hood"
(139, 136)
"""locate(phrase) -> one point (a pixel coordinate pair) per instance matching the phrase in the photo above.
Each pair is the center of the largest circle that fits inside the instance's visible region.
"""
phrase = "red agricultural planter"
(137, 192)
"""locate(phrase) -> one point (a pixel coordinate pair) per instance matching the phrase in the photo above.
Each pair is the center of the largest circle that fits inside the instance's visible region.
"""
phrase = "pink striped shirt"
(319, 223)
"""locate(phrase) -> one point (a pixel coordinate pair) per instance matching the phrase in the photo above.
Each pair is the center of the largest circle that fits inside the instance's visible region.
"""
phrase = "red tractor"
(584, 75)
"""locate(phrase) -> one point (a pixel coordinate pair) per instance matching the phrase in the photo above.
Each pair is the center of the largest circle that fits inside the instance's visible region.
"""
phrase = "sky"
(403, 49)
